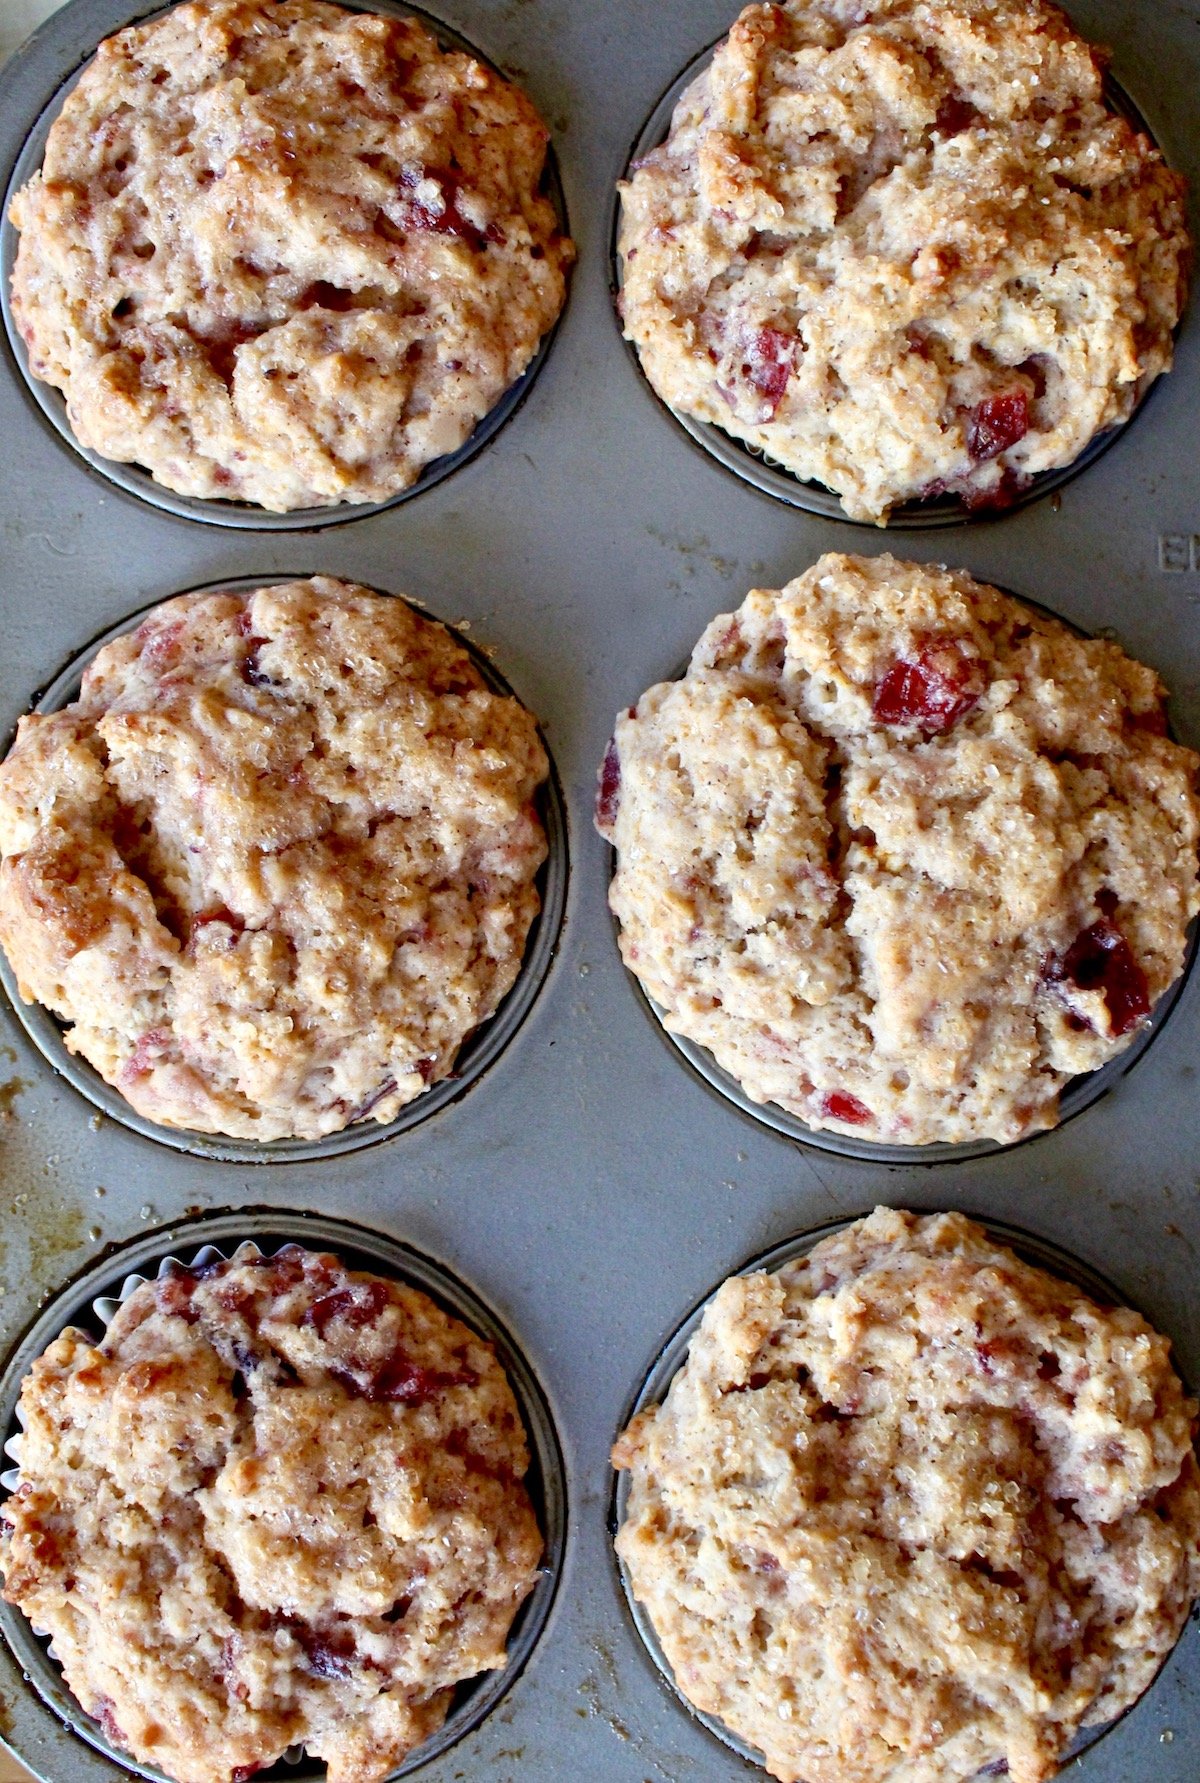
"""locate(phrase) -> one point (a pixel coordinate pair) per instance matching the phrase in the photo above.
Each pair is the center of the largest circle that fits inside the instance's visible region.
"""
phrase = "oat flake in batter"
(285, 253)
(276, 862)
(902, 853)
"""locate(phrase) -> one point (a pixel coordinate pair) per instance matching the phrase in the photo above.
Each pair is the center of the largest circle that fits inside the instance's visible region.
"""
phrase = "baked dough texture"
(280, 1503)
(285, 254)
(276, 862)
(904, 854)
(904, 248)
(914, 1510)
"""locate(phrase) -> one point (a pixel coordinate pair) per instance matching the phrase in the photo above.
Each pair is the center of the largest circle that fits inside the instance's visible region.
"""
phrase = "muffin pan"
(589, 1187)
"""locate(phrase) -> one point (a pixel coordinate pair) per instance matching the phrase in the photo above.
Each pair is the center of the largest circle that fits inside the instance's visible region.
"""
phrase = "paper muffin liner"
(477, 1053)
(758, 468)
(1030, 1247)
(91, 1302)
(245, 516)
(1077, 1094)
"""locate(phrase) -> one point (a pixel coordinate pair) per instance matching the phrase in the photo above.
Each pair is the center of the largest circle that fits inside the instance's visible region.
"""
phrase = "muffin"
(277, 860)
(285, 253)
(904, 854)
(279, 1503)
(914, 1510)
(904, 248)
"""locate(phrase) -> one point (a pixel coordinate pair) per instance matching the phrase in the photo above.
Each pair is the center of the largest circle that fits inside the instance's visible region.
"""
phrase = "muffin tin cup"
(1029, 1246)
(477, 1053)
(1077, 1095)
(51, 406)
(89, 1303)
(762, 472)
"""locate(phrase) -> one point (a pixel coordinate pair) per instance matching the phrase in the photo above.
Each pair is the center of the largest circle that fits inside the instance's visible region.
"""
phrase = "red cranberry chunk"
(934, 689)
(768, 362)
(995, 499)
(609, 795)
(839, 1105)
(955, 114)
(997, 423)
(358, 1305)
(1102, 960)
(401, 1381)
(173, 1295)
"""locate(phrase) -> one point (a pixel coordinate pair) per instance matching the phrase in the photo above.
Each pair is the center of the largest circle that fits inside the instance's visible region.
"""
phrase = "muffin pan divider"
(588, 1187)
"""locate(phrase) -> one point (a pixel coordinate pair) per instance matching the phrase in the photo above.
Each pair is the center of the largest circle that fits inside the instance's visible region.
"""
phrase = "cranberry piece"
(160, 643)
(256, 676)
(329, 1656)
(146, 1053)
(242, 1773)
(838, 1105)
(1102, 960)
(414, 215)
(1001, 495)
(997, 423)
(221, 914)
(426, 1067)
(372, 1101)
(955, 114)
(245, 626)
(934, 689)
(768, 363)
(109, 1727)
(358, 1305)
(402, 1382)
(173, 1295)
(609, 795)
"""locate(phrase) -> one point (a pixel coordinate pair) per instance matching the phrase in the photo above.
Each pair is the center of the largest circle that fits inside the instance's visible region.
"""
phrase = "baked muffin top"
(914, 1510)
(277, 860)
(285, 253)
(903, 853)
(904, 247)
(279, 1503)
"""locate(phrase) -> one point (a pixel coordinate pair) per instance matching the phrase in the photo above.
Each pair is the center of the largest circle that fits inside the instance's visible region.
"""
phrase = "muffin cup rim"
(127, 477)
(671, 1356)
(371, 1250)
(754, 467)
(1090, 1087)
(483, 1047)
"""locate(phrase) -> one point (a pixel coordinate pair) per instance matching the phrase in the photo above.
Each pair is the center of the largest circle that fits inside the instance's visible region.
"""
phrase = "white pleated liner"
(105, 1309)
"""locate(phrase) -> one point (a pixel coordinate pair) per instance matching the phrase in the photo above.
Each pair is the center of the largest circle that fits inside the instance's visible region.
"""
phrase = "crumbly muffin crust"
(903, 853)
(281, 1502)
(913, 1508)
(904, 247)
(277, 860)
(285, 253)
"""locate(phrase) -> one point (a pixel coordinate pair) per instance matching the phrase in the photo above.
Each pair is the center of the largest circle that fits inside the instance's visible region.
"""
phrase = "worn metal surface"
(588, 1185)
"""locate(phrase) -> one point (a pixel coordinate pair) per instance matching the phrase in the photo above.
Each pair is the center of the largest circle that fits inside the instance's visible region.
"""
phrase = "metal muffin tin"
(479, 1050)
(589, 1187)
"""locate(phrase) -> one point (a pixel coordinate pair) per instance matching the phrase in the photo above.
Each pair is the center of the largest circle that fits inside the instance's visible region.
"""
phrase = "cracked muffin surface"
(913, 1510)
(904, 248)
(276, 862)
(285, 254)
(904, 854)
(280, 1502)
